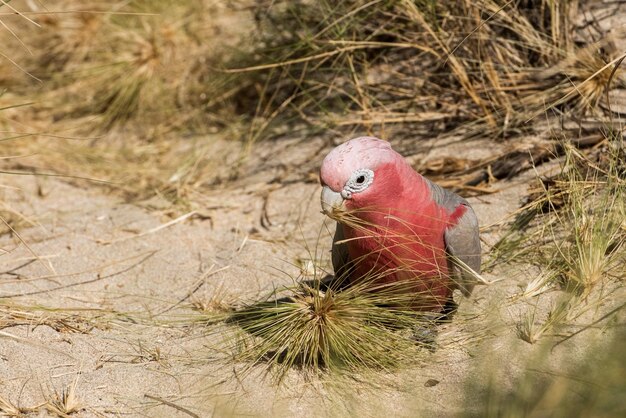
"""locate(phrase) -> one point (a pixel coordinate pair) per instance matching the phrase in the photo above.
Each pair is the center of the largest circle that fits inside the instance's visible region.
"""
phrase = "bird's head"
(360, 173)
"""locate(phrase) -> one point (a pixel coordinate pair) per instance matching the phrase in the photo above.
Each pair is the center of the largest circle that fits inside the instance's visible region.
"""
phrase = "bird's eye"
(359, 181)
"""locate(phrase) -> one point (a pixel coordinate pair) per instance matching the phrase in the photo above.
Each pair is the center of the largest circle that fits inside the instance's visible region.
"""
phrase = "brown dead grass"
(387, 67)
(123, 89)
(112, 89)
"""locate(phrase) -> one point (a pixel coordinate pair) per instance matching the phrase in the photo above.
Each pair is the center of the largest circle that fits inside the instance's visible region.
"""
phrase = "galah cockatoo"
(395, 225)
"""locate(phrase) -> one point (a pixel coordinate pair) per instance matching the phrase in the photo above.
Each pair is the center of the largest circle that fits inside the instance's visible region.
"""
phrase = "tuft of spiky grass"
(364, 327)
(66, 402)
(531, 330)
(598, 237)
(573, 229)
(539, 285)
(7, 408)
(573, 233)
(212, 305)
(593, 248)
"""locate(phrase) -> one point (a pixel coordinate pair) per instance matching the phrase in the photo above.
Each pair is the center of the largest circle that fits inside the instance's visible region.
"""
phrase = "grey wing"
(339, 254)
(462, 240)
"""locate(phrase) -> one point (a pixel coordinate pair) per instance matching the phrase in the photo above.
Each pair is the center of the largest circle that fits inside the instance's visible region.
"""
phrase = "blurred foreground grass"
(587, 386)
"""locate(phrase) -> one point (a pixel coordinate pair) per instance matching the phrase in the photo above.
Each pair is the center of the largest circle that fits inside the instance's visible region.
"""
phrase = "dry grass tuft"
(573, 232)
(531, 330)
(61, 320)
(7, 408)
(65, 403)
(595, 249)
(219, 302)
(587, 229)
(62, 404)
(366, 327)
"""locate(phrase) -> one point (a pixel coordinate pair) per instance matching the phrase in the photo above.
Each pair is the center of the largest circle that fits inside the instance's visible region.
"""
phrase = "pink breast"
(407, 246)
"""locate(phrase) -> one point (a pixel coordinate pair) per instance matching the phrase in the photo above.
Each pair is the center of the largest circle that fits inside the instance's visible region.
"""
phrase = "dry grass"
(117, 61)
(120, 86)
(62, 404)
(61, 320)
(582, 236)
(590, 386)
(7, 408)
(573, 232)
(531, 330)
(114, 88)
(364, 328)
(217, 302)
(596, 214)
(149, 72)
(66, 402)
(392, 66)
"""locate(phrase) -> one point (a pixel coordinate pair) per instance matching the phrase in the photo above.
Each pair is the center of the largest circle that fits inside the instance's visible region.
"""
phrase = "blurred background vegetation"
(132, 91)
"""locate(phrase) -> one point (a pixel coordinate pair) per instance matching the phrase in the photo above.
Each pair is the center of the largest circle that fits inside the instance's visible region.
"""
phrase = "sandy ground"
(117, 281)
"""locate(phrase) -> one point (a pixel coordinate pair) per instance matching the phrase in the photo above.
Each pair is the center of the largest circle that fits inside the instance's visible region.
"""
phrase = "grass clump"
(113, 62)
(117, 90)
(365, 327)
(9, 409)
(472, 68)
(531, 330)
(595, 211)
(573, 233)
(585, 220)
(65, 403)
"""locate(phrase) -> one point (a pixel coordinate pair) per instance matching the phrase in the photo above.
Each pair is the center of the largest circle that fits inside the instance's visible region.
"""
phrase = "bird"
(395, 226)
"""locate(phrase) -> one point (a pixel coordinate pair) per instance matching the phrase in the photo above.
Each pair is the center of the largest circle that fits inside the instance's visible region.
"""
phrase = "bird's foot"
(425, 333)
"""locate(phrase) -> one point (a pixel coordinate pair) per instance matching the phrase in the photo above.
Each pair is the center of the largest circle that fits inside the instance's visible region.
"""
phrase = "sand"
(117, 281)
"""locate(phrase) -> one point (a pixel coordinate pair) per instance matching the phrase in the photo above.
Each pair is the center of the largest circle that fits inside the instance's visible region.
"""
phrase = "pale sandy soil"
(131, 275)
